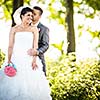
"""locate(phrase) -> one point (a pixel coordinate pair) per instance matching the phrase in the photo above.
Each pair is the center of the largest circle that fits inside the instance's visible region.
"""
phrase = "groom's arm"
(43, 44)
(44, 41)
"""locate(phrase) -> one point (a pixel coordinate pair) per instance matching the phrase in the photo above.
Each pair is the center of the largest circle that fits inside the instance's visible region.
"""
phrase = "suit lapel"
(39, 26)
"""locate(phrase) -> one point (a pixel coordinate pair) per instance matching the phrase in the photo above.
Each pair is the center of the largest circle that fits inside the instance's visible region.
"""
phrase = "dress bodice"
(23, 40)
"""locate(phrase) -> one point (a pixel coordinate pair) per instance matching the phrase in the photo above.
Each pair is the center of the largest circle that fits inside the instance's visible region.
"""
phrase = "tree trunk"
(70, 23)
(16, 4)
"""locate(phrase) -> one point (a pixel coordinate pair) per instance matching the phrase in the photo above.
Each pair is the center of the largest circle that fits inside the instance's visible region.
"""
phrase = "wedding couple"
(27, 43)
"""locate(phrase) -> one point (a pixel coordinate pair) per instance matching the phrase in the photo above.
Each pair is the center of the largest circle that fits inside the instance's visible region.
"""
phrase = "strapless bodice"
(23, 40)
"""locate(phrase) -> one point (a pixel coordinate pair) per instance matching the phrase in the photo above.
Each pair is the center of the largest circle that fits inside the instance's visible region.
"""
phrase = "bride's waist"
(20, 50)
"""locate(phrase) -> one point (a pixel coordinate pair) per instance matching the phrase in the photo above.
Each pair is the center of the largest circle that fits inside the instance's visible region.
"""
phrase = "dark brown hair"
(25, 10)
(38, 8)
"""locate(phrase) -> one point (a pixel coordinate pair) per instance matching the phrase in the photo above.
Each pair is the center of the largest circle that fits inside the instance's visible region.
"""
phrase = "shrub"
(2, 57)
(74, 80)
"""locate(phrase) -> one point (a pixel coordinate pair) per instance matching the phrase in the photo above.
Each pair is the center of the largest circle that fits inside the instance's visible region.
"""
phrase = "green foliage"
(7, 6)
(94, 33)
(95, 4)
(2, 57)
(74, 80)
(85, 9)
(27, 1)
(59, 47)
(57, 10)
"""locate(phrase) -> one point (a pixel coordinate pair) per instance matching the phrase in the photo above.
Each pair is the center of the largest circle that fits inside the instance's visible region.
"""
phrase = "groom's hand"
(32, 52)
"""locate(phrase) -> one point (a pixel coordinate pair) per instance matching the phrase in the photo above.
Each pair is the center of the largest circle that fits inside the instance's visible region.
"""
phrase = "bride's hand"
(34, 64)
(9, 62)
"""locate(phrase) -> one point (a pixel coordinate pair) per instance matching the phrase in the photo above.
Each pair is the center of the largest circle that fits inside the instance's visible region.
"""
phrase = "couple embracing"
(28, 42)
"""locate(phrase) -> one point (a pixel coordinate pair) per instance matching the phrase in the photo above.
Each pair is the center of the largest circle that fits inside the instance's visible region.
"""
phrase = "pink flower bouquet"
(10, 70)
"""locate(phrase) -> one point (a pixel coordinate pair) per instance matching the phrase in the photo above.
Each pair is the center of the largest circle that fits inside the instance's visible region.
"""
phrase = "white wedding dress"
(28, 84)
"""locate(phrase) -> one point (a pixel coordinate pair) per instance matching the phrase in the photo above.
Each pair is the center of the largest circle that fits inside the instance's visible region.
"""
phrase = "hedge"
(74, 80)
(2, 57)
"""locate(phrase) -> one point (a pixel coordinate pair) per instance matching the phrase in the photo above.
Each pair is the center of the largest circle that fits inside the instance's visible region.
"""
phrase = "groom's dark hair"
(38, 8)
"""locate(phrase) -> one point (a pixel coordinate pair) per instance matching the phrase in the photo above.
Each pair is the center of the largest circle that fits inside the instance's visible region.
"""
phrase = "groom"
(43, 43)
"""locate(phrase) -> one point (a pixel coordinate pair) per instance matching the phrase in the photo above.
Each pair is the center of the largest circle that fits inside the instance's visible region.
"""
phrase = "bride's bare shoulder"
(16, 28)
(33, 28)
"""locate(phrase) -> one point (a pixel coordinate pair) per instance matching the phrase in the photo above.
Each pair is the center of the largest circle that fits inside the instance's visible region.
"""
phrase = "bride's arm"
(11, 44)
(35, 38)
(33, 51)
(35, 45)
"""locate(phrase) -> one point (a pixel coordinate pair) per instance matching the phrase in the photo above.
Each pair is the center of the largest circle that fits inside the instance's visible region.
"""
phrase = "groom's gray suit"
(43, 43)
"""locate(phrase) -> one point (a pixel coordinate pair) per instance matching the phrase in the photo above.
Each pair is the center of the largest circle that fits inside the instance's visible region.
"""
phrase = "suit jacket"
(43, 43)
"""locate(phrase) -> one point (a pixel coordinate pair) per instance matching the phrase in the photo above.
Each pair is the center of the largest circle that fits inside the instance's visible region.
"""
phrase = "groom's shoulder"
(43, 26)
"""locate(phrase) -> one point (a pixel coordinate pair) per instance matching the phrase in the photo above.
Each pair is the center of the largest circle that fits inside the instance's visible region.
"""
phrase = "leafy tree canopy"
(7, 6)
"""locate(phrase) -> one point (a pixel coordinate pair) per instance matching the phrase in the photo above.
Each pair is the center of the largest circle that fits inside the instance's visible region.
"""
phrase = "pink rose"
(10, 71)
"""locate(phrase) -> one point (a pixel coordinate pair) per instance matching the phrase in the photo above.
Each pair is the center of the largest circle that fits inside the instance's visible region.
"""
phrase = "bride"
(29, 83)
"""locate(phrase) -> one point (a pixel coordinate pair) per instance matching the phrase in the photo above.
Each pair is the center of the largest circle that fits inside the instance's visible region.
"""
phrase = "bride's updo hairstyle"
(19, 12)
(25, 10)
